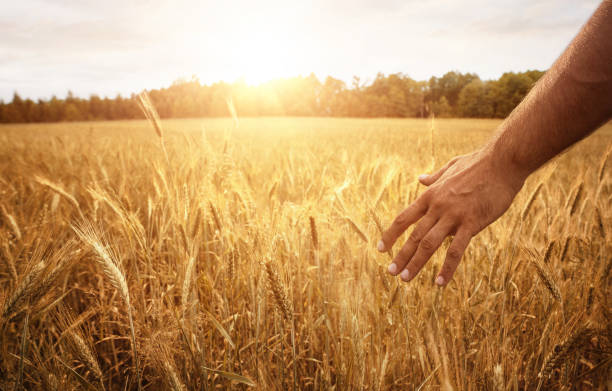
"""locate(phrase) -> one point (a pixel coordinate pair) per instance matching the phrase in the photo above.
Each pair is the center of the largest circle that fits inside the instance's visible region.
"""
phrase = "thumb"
(430, 179)
(427, 179)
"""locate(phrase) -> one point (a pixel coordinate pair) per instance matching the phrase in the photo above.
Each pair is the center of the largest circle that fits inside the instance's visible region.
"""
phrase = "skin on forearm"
(470, 192)
(570, 101)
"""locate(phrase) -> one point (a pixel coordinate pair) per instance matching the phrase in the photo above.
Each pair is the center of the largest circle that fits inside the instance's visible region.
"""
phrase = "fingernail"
(422, 177)
(392, 269)
(381, 246)
(440, 280)
(405, 275)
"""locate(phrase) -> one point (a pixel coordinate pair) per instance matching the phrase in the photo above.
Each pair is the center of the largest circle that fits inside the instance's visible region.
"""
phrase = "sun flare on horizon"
(255, 52)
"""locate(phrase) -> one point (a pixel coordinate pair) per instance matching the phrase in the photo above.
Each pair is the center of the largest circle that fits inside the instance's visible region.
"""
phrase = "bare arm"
(570, 101)
(470, 192)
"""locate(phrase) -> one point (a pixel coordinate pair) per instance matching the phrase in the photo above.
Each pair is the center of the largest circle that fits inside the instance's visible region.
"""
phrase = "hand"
(467, 194)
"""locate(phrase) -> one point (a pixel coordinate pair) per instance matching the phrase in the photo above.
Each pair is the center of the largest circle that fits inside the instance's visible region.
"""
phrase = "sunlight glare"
(259, 54)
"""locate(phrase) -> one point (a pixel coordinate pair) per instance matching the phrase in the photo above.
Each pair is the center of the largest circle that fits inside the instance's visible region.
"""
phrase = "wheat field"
(242, 256)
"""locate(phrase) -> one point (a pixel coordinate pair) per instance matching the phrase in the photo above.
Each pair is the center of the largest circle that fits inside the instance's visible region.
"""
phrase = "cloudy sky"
(123, 46)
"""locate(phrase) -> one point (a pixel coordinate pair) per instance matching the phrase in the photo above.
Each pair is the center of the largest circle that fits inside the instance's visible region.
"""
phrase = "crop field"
(242, 255)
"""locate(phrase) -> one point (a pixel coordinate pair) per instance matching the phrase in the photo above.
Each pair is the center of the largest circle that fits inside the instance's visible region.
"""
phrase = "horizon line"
(243, 80)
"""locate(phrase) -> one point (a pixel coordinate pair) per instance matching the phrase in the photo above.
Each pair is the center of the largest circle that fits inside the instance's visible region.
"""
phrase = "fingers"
(404, 220)
(426, 247)
(429, 180)
(453, 256)
(407, 251)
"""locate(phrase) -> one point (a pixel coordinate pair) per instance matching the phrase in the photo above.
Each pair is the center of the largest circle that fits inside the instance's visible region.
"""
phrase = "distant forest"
(396, 95)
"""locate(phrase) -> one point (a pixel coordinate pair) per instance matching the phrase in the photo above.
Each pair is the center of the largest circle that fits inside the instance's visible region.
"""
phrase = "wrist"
(504, 164)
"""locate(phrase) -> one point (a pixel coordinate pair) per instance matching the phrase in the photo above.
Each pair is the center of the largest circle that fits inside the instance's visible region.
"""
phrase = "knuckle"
(400, 221)
(447, 269)
(471, 227)
(456, 215)
(415, 237)
(404, 253)
(425, 197)
(453, 255)
(427, 244)
(436, 204)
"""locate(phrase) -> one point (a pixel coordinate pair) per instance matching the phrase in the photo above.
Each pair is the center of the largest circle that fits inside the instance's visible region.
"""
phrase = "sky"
(124, 46)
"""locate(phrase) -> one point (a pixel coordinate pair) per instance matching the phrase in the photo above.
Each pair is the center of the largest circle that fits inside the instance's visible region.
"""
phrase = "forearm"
(570, 101)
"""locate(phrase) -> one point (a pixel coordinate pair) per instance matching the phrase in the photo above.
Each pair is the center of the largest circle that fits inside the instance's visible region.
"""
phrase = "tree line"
(396, 95)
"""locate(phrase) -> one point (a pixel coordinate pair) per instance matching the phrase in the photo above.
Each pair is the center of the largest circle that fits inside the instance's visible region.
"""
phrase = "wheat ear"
(111, 270)
(531, 200)
(279, 292)
(145, 104)
(187, 284)
(357, 230)
(562, 351)
(313, 233)
(577, 198)
(545, 277)
(24, 291)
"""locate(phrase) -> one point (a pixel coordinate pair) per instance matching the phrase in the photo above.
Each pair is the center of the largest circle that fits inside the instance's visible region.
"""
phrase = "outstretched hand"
(466, 195)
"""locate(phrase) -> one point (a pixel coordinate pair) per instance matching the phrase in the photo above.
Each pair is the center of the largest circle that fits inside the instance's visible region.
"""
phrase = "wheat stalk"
(313, 233)
(549, 251)
(111, 270)
(531, 199)
(376, 220)
(24, 291)
(498, 378)
(231, 266)
(545, 277)
(600, 225)
(232, 110)
(357, 230)
(86, 354)
(59, 190)
(548, 281)
(187, 284)
(279, 292)
(76, 342)
(11, 221)
(576, 198)
(215, 214)
(174, 380)
(147, 107)
(566, 244)
(561, 352)
(433, 151)
(196, 224)
(105, 259)
(602, 165)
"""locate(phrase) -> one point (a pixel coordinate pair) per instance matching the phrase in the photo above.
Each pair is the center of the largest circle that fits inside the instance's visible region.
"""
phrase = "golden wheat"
(169, 290)
(279, 292)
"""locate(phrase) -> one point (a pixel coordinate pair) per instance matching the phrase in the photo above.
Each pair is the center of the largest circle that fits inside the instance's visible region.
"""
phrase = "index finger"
(409, 216)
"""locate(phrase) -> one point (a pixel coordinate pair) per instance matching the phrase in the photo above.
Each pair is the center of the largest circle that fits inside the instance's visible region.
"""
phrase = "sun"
(266, 56)
(253, 53)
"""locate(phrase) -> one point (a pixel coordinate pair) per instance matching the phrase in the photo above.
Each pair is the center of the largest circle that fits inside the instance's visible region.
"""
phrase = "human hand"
(466, 195)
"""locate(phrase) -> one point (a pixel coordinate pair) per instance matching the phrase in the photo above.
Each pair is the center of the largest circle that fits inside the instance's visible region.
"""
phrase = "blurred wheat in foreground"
(139, 256)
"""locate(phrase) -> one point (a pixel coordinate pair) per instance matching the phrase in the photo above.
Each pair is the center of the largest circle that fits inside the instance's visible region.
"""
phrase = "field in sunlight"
(246, 259)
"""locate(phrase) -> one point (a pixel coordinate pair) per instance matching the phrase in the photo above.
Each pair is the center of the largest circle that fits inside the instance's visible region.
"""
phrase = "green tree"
(71, 113)
(331, 93)
(510, 90)
(448, 86)
(441, 108)
(474, 100)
